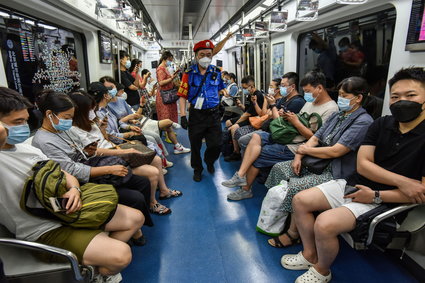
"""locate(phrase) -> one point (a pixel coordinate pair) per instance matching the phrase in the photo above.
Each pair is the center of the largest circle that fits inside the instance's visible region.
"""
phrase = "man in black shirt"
(391, 169)
(131, 84)
(254, 109)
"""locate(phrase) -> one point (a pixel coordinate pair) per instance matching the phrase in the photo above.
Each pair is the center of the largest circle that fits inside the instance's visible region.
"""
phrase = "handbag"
(99, 161)
(48, 181)
(144, 156)
(258, 121)
(314, 164)
(283, 132)
(169, 96)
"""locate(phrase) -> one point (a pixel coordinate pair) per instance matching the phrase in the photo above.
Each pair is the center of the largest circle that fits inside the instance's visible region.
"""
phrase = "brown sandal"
(275, 242)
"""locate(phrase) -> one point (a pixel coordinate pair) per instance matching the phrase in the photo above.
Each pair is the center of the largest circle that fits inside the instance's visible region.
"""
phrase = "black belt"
(215, 108)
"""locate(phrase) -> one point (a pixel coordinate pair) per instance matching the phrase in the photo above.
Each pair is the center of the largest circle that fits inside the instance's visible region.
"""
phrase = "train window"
(360, 47)
(38, 56)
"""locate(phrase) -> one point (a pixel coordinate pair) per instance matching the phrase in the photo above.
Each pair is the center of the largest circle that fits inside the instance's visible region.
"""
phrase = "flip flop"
(160, 209)
(171, 194)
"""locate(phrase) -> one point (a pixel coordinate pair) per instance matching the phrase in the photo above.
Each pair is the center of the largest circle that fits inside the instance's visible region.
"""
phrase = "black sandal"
(275, 241)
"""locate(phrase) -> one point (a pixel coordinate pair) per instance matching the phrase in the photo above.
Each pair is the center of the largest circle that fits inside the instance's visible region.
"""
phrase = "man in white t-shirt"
(263, 152)
(16, 162)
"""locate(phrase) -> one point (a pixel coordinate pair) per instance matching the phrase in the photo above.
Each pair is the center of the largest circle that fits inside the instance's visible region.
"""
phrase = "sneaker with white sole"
(313, 276)
(176, 126)
(235, 181)
(169, 164)
(164, 171)
(240, 194)
(179, 149)
(295, 262)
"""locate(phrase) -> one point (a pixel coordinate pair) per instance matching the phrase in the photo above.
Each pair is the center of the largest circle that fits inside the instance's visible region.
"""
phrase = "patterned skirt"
(283, 171)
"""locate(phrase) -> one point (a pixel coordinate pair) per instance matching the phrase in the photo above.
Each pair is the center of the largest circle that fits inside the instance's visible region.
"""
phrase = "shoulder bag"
(48, 181)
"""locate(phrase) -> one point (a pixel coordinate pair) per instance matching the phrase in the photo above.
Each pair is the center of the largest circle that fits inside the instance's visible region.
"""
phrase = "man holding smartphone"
(201, 85)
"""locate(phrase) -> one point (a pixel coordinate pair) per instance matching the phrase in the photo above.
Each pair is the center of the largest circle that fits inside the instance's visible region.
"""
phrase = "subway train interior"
(233, 68)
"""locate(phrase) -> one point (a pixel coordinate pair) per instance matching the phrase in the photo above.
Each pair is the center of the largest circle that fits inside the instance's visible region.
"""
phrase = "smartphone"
(94, 143)
(350, 189)
(58, 204)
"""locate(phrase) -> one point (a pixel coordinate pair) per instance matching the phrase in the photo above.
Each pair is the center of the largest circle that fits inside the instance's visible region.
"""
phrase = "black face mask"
(405, 111)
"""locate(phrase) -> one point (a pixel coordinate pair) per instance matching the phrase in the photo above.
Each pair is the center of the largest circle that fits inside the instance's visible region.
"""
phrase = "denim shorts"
(271, 153)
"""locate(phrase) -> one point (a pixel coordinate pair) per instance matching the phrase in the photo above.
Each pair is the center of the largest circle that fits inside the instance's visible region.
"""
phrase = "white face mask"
(205, 62)
(92, 115)
(271, 91)
(124, 95)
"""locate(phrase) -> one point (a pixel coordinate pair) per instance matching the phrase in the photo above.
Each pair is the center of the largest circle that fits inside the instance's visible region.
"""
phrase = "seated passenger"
(286, 96)
(128, 120)
(16, 162)
(342, 134)
(232, 89)
(78, 156)
(86, 129)
(255, 109)
(262, 152)
(391, 169)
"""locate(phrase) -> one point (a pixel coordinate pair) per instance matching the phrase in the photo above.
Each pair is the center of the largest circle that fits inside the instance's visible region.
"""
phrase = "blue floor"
(210, 239)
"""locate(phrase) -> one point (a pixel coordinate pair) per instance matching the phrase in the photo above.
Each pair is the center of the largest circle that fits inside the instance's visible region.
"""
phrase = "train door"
(264, 63)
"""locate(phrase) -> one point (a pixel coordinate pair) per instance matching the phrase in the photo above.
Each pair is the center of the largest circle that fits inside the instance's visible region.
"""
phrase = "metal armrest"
(53, 250)
(383, 216)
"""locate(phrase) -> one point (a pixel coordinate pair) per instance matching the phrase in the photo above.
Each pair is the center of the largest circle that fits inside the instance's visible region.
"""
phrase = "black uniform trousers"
(204, 123)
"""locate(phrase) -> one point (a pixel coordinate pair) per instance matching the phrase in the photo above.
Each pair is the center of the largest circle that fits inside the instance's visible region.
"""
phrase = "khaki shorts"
(334, 192)
(69, 238)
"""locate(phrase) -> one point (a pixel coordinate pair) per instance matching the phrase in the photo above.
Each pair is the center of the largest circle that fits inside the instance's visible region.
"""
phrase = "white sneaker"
(176, 126)
(169, 164)
(179, 149)
(164, 171)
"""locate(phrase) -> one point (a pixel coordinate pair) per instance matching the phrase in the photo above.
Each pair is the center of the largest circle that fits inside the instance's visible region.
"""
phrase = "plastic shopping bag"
(272, 217)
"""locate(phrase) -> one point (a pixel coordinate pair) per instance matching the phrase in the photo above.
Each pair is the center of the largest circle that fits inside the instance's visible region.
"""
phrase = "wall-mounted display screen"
(416, 33)
(105, 47)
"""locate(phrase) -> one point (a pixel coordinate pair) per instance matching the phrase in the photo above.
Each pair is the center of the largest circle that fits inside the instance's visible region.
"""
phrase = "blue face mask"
(343, 48)
(245, 91)
(128, 64)
(344, 104)
(283, 91)
(308, 96)
(169, 63)
(64, 124)
(17, 134)
(112, 92)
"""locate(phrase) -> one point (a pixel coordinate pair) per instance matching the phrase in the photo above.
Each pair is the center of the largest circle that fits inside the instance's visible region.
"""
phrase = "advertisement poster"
(422, 31)
(105, 48)
(278, 60)
(261, 29)
(249, 34)
(278, 21)
(307, 10)
(240, 40)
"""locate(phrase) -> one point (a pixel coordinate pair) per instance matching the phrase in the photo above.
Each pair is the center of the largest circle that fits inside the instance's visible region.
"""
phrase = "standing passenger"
(130, 83)
(201, 85)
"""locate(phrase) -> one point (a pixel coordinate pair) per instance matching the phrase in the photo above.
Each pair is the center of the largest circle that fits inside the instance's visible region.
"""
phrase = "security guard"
(200, 85)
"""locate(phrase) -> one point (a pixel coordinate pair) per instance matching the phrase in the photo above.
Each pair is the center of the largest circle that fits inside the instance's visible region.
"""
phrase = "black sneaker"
(233, 157)
(197, 176)
(210, 168)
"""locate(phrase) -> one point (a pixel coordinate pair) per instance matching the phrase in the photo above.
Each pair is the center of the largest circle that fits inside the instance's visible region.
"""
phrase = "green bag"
(99, 201)
(283, 132)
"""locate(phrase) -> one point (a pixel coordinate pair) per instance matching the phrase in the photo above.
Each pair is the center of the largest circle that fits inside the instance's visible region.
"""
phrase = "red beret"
(204, 44)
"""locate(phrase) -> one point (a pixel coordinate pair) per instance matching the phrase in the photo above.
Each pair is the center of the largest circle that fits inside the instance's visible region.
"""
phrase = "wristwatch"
(272, 105)
(75, 187)
(377, 199)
